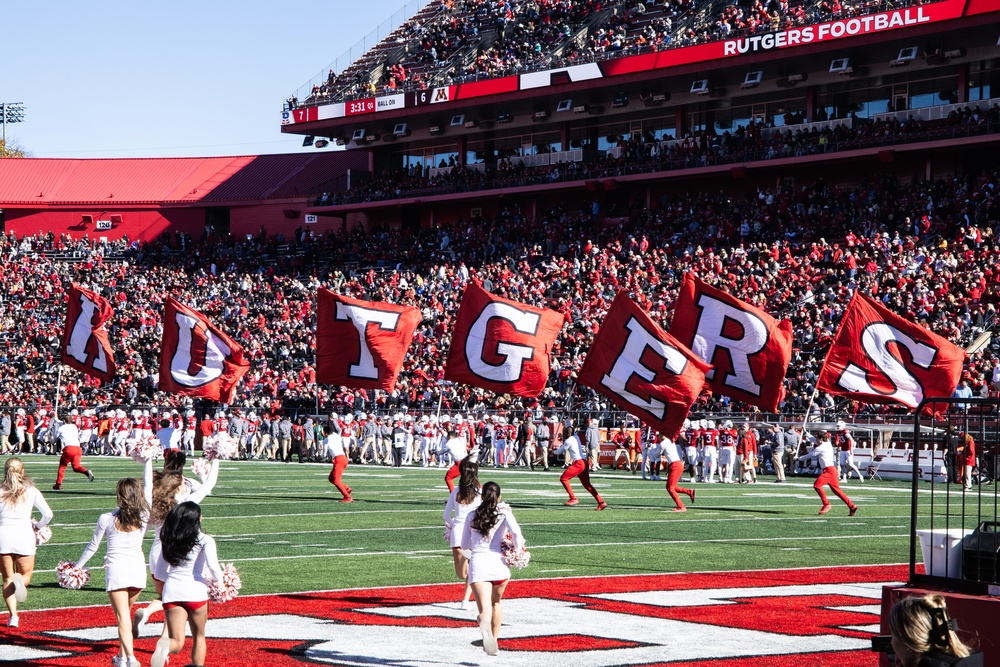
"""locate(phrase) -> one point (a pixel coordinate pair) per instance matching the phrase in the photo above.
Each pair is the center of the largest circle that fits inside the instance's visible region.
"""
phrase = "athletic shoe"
(131, 662)
(138, 620)
(854, 510)
(56, 487)
(464, 605)
(824, 509)
(348, 499)
(161, 654)
(90, 476)
(20, 592)
(571, 501)
(118, 661)
(12, 622)
(601, 505)
(489, 641)
(691, 495)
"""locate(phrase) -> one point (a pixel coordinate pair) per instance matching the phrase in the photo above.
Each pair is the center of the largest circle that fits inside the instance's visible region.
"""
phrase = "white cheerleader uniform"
(456, 514)
(487, 563)
(186, 582)
(158, 566)
(17, 538)
(125, 566)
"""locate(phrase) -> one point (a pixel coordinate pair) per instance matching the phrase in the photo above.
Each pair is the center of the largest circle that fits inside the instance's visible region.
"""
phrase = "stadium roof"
(52, 182)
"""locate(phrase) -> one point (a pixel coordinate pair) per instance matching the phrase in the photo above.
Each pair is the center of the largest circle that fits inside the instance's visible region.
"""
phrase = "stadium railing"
(956, 524)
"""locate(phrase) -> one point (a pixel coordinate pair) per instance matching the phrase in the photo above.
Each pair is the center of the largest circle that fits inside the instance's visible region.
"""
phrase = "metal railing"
(956, 522)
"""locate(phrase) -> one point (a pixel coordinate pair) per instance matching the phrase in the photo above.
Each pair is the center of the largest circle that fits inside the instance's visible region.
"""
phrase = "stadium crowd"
(644, 153)
(927, 249)
(452, 41)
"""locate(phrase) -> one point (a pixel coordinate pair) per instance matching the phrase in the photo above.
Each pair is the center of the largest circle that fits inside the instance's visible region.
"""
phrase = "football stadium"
(587, 332)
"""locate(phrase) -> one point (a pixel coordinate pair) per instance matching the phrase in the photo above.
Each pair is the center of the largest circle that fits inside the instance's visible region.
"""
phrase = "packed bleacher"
(645, 154)
(454, 41)
(928, 250)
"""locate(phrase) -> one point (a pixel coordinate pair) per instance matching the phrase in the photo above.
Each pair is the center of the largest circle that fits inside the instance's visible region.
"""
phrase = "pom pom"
(511, 555)
(200, 467)
(144, 449)
(228, 587)
(221, 446)
(72, 577)
(42, 535)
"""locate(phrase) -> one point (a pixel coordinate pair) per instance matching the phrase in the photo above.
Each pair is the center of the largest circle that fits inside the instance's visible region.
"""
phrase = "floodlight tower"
(10, 112)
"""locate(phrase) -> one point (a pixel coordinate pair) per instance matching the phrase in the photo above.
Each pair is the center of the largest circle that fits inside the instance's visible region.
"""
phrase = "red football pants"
(674, 476)
(829, 476)
(579, 469)
(450, 477)
(339, 465)
(70, 456)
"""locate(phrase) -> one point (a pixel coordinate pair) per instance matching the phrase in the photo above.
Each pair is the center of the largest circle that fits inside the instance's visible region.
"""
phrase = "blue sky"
(107, 78)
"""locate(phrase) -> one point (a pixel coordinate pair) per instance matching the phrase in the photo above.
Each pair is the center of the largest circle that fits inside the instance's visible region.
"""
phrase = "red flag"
(749, 349)
(85, 344)
(879, 357)
(196, 358)
(501, 345)
(361, 344)
(642, 368)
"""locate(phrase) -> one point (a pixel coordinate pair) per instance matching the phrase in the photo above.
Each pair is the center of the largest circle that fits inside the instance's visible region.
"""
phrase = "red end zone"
(777, 618)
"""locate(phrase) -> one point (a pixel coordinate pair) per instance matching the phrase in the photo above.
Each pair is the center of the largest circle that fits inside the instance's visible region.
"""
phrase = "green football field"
(282, 526)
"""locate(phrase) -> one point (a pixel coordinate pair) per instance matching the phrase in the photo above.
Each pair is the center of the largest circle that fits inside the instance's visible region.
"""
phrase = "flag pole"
(58, 390)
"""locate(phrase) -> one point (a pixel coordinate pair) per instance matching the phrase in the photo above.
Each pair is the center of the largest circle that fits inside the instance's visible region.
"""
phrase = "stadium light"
(11, 112)
(841, 66)
(905, 56)
(564, 105)
(307, 140)
(699, 87)
(752, 80)
(505, 116)
(539, 116)
(621, 100)
(321, 143)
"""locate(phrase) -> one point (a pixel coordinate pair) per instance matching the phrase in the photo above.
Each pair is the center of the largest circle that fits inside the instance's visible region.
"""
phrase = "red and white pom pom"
(228, 587)
(200, 467)
(42, 535)
(144, 449)
(72, 577)
(221, 446)
(511, 555)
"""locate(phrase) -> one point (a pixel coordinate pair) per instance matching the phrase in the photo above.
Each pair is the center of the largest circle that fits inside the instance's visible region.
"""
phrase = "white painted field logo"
(814, 617)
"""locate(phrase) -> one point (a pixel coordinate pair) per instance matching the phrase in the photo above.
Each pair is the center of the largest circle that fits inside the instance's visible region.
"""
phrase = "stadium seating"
(927, 249)
(645, 154)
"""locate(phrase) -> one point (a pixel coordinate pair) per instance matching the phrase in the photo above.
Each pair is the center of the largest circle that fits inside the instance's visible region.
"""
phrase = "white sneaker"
(118, 661)
(465, 605)
(131, 662)
(12, 622)
(161, 654)
(20, 592)
(489, 641)
(138, 620)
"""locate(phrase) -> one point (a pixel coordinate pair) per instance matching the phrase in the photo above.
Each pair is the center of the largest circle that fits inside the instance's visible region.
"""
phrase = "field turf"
(283, 527)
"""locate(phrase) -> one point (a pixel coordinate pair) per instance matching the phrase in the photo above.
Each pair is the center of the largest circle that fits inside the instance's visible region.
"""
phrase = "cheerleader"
(461, 502)
(458, 449)
(187, 552)
(17, 539)
(675, 468)
(125, 565)
(571, 446)
(483, 535)
(170, 488)
(333, 446)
